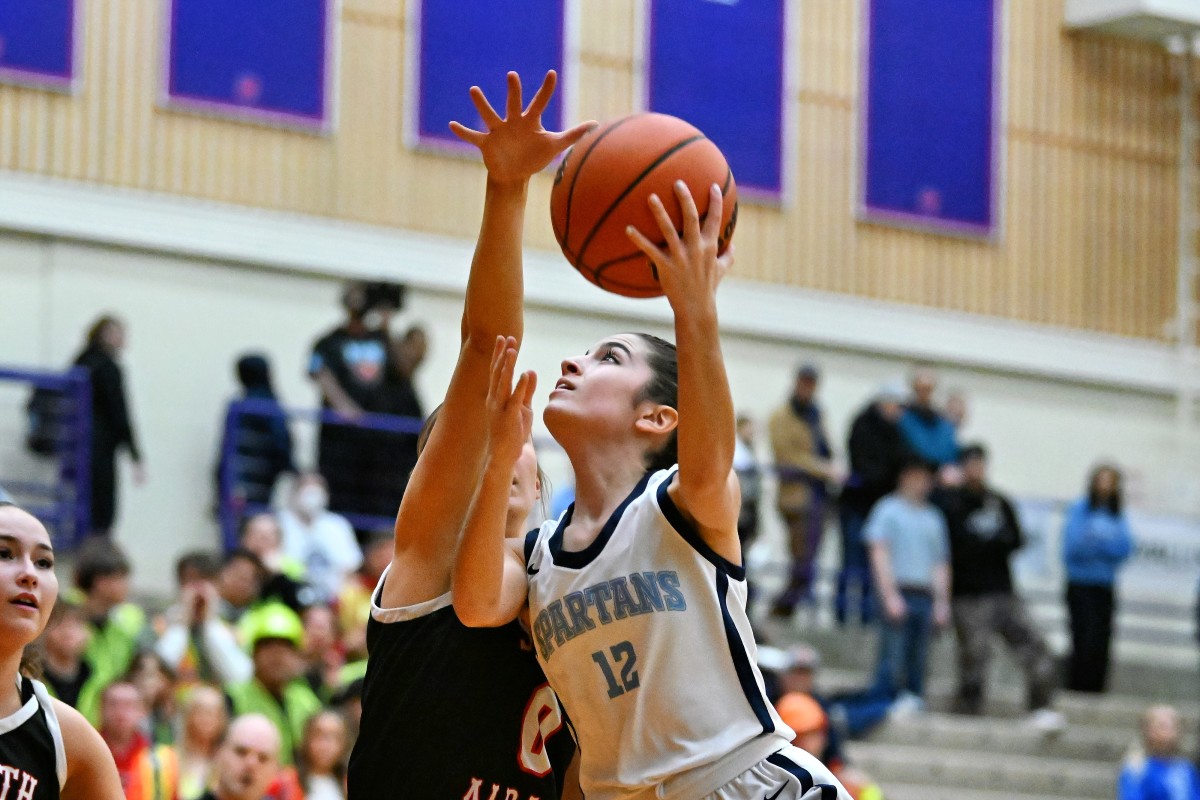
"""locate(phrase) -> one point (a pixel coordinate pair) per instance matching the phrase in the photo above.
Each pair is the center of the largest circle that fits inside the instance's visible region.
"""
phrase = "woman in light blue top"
(1096, 541)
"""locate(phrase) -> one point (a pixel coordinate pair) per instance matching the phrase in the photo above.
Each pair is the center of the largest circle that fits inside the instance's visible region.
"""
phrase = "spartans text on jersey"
(619, 598)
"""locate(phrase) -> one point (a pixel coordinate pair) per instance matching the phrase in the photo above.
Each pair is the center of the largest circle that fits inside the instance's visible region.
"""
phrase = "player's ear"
(656, 419)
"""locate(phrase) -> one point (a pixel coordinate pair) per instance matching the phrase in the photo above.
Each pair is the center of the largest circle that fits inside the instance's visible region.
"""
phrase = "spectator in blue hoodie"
(1096, 541)
(927, 431)
(1158, 772)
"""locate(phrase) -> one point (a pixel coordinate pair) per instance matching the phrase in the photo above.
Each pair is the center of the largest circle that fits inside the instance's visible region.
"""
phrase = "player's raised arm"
(689, 269)
(514, 148)
(489, 587)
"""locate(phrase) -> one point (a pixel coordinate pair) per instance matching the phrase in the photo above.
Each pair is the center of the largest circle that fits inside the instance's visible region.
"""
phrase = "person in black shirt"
(47, 749)
(450, 711)
(984, 533)
(876, 449)
(112, 428)
(257, 446)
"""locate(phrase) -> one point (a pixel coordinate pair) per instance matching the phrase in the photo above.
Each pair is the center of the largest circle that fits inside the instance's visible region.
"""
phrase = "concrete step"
(977, 770)
(918, 791)
(947, 732)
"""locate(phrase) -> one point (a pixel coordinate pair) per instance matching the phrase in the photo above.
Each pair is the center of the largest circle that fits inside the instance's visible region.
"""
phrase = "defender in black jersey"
(47, 749)
(451, 713)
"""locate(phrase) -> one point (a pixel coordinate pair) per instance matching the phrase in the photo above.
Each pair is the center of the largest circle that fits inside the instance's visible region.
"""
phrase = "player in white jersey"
(637, 593)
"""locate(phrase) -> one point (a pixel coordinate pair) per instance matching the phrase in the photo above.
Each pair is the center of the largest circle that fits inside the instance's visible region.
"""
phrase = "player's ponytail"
(662, 388)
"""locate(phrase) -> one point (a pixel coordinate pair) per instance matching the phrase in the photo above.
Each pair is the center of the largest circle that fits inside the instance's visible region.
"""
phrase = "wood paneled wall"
(1090, 154)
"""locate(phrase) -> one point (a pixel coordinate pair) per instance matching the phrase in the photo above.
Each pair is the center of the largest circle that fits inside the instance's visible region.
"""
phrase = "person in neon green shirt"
(274, 636)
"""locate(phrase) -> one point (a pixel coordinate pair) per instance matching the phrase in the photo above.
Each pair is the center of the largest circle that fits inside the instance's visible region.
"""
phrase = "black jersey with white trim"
(33, 761)
(454, 713)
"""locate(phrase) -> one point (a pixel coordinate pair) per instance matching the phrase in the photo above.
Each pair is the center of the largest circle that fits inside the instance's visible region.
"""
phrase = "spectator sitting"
(66, 673)
(1159, 773)
(285, 576)
(928, 433)
(804, 715)
(156, 683)
(320, 763)
(1096, 541)
(202, 726)
(322, 652)
(258, 440)
(802, 457)
(117, 627)
(354, 600)
(876, 449)
(910, 559)
(984, 533)
(197, 643)
(148, 771)
(239, 584)
(319, 539)
(276, 690)
(247, 761)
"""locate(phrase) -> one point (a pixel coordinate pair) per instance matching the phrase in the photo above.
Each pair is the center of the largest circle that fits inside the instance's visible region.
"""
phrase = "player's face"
(27, 581)
(600, 387)
(526, 488)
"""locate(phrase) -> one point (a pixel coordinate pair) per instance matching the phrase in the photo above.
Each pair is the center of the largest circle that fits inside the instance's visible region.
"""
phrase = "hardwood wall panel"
(1089, 158)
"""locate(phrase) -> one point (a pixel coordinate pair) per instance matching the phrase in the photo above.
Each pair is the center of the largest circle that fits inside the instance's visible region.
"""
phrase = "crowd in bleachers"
(274, 624)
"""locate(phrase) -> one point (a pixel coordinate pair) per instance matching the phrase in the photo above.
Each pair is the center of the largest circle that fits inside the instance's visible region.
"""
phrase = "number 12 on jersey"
(624, 657)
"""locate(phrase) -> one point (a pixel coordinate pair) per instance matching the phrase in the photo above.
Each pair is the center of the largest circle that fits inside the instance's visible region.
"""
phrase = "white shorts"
(790, 774)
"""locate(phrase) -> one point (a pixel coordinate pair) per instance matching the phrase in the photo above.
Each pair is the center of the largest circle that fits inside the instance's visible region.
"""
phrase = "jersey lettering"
(25, 786)
(476, 789)
(604, 603)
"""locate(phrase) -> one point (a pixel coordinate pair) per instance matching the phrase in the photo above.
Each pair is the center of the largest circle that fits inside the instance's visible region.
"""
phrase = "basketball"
(604, 182)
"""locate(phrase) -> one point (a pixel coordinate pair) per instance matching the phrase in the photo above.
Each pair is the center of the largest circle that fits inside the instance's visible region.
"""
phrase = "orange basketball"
(602, 186)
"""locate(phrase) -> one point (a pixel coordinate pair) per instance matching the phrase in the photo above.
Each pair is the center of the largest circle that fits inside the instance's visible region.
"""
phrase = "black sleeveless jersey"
(31, 748)
(455, 713)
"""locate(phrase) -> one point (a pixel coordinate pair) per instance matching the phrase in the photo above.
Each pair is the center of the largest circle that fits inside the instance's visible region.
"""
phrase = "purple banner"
(929, 140)
(265, 61)
(721, 66)
(37, 43)
(461, 45)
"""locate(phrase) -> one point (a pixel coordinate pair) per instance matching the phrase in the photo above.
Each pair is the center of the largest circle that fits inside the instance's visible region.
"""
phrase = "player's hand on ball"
(516, 146)
(689, 268)
(509, 408)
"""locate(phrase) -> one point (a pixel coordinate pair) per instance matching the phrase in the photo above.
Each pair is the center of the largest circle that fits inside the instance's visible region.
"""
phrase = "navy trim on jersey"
(804, 776)
(741, 659)
(581, 558)
(692, 536)
(530, 543)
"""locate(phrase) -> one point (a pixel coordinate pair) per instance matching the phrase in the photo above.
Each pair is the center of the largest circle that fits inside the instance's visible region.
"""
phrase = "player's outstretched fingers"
(513, 108)
(542, 98)
(488, 114)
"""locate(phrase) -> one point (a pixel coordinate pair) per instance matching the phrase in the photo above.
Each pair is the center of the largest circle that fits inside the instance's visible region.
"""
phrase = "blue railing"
(231, 510)
(63, 505)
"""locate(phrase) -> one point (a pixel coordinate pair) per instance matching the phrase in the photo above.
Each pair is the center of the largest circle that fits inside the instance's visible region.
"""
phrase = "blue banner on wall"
(929, 140)
(720, 65)
(476, 44)
(265, 60)
(37, 43)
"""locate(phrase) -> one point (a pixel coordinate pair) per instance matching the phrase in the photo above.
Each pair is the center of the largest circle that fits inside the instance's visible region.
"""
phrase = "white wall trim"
(292, 242)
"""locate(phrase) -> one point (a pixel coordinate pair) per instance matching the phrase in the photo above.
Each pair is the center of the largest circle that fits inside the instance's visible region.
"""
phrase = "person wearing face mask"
(319, 539)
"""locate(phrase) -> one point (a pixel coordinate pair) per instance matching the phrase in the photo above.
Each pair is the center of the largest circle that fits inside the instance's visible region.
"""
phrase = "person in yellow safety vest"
(117, 627)
(65, 672)
(148, 771)
(274, 636)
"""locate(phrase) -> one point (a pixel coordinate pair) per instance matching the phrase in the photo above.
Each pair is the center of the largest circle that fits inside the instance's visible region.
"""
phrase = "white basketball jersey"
(645, 638)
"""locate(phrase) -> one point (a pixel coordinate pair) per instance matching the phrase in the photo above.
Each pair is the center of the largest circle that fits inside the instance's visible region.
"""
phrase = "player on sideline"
(637, 592)
(47, 749)
(450, 712)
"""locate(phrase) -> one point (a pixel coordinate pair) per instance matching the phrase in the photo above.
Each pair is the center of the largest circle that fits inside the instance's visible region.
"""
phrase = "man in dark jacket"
(258, 444)
(877, 449)
(984, 533)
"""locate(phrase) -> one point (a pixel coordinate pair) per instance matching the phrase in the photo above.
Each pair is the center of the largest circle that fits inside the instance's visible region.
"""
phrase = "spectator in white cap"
(876, 449)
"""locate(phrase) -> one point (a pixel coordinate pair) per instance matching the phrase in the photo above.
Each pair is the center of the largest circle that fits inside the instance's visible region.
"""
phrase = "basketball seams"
(650, 168)
(563, 242)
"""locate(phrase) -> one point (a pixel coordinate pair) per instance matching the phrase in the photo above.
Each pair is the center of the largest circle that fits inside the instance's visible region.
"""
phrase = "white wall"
(190, 319)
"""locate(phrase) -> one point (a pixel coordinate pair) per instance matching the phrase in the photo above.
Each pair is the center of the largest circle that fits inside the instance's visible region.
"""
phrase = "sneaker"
(906, 706)
(1047, 721)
